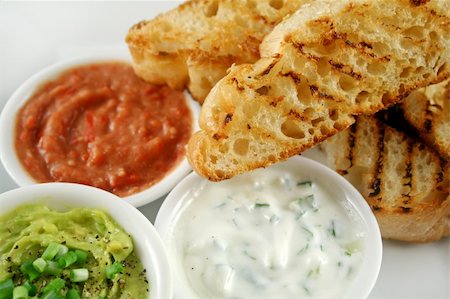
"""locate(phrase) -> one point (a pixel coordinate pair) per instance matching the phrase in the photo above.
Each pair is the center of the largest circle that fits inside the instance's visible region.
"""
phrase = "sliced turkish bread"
(404, 181)
(427, 110)
(194, 44)
(320, 67)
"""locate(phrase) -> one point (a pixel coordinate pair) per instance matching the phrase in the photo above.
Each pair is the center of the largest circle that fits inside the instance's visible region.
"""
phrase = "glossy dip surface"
(273, 233)
(26, 231)
(100, 125)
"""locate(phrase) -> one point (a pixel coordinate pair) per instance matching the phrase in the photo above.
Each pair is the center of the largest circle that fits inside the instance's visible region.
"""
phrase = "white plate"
(34, 35)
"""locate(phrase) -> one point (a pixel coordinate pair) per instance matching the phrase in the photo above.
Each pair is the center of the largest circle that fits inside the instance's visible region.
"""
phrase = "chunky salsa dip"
(101, 125)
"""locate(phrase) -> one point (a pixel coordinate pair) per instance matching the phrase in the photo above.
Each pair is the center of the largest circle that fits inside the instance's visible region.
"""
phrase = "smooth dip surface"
(269, 234)
(101, 125)
(29, 229)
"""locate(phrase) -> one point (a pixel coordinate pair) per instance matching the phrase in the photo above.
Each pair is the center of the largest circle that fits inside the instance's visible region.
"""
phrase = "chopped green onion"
(79, 275)
(29, 271)
(261, 205)
(72, 294)
(81, 256)
(51, 251)
(32, 290)
(304, 184)
(52, 268)
(55, 285)
(309, 234)
(250, 256)
(6, 288)
(20, 292)
(307, 290)
(301, 251)
(113, 269)
(308, 200)
(332, 229)
(314, 272)
(52, 295)
(67, 259)
(40, 264)
(274, 219)
(62, 251)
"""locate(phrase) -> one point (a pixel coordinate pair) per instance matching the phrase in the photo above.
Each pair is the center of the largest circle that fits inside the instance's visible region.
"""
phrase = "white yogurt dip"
(273, 233)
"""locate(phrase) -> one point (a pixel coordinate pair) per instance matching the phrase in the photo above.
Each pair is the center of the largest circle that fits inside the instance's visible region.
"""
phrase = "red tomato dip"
(101, 125)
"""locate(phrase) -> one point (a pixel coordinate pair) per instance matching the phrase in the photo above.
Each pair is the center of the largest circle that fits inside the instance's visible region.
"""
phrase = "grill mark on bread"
(268, 68)
(363, 44)
(428, 123)
(360, 47)
(376, 208)
(405, 210)
(376, 181)
(338, 66)
(218, 136)
(441, 173)
(228, 118)
(295, 114)
(418, 2)
(345, 69)
(276, 100)
(352, 142)
(293, 75)
(408, 177)
(298, 46)
(238, 85)
(315, 92)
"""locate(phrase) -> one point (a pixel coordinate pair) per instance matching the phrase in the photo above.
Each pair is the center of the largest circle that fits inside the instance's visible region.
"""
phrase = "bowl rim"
(20, 96)
(148, 246)
(175, 203)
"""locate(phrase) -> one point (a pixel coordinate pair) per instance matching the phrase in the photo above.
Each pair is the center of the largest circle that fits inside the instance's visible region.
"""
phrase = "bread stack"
(398, 160)
(321, 66)
(194, 45)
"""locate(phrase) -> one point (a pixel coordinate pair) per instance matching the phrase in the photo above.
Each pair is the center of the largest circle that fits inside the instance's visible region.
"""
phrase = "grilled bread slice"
(329, 61)
(428, 111)
(404, 181)
(194, 44)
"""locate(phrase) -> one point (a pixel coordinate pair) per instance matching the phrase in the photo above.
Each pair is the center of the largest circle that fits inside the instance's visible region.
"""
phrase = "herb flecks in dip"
(28, 231)
(101, 125)
(272, 233)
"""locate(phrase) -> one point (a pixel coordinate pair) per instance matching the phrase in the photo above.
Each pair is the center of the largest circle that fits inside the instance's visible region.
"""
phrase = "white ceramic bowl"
(177, 201)
(20, 175)
(63, 196)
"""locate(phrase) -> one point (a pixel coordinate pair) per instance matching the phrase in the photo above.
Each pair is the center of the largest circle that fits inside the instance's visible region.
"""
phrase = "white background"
(34, 35)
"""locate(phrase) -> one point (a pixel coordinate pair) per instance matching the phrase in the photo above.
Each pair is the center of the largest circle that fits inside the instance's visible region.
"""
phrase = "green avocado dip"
(92, 256)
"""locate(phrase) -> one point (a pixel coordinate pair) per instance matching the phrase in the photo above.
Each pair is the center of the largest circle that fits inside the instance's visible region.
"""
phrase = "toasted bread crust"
(317, 72)
(194, 45)
(428, 111)
(404, 181)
